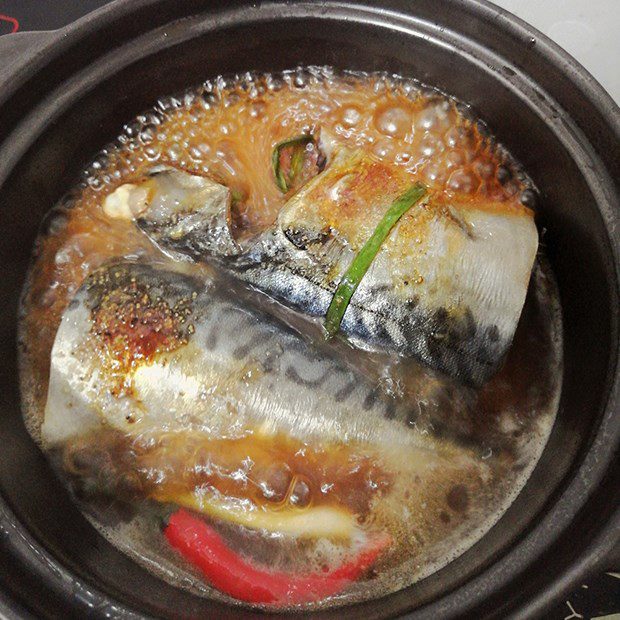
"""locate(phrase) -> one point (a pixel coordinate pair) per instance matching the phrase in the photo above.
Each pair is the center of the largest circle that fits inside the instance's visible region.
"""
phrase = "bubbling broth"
(175, 386)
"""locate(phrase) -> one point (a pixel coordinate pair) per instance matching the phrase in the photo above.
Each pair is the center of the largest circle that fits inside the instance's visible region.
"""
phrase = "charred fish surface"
(142, 349)
(447, 286)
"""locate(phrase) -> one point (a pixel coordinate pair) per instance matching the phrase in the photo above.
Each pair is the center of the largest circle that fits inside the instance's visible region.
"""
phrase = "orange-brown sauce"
(272, 472)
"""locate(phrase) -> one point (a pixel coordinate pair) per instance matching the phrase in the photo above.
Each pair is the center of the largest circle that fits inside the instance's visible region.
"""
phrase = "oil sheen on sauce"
(226, 129)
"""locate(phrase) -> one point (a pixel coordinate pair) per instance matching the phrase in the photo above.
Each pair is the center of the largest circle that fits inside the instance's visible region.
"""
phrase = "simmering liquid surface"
(226, 129)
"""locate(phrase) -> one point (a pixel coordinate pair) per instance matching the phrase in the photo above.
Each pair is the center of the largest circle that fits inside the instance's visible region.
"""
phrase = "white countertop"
(589, 30)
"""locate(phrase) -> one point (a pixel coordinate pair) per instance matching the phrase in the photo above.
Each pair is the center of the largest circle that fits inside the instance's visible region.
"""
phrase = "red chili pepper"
(11, 20)
(201, 545)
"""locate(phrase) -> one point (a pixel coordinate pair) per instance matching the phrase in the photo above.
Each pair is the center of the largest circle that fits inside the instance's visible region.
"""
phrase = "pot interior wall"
(576, 243)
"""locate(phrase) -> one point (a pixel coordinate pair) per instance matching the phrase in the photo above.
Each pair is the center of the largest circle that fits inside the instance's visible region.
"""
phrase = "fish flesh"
(446, 288)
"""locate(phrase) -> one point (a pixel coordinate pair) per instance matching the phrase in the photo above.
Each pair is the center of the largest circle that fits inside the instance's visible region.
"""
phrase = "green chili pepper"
(284, 180)
(362, 261)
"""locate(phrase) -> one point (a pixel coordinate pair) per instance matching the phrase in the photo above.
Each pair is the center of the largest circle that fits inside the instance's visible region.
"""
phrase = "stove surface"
(588, 30)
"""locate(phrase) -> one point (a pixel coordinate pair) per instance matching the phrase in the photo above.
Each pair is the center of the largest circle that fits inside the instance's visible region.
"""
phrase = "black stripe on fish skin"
(190, 245)
(370, 399)
(244, 350)
(408, 328)
(492, 333)
(378, 289)
(292, 374)
(465, 365)
(382, 334)
(469, 327)
(296, 296)
(486, 353)
(363, 324)
(440, 324)
(212, 338)
(435, 350)
(269, 363)
(461, 329)
(344, 392)
(390, 409)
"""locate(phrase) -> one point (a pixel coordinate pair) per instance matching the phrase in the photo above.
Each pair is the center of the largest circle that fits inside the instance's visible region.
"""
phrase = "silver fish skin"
(188, 215)
(225, 369)
(446, 288)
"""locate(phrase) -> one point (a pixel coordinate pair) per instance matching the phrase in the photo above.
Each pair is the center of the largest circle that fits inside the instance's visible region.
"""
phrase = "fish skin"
(446, 288)
(188, 215)
(230, 369)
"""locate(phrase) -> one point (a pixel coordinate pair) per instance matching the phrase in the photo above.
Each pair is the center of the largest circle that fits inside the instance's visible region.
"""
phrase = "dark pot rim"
(586, 480)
